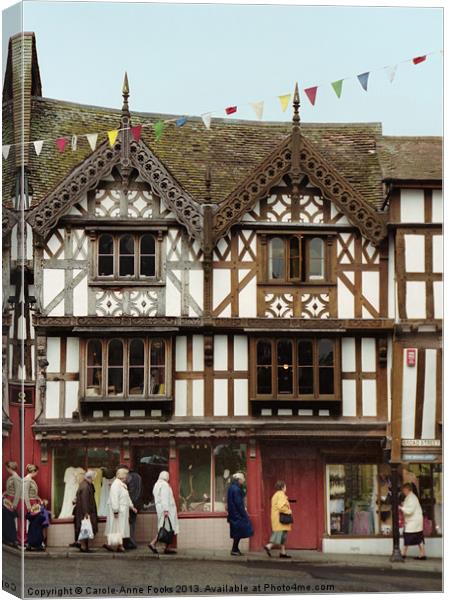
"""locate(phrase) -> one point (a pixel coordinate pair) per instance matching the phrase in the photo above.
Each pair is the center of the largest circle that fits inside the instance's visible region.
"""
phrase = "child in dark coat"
(35, 535)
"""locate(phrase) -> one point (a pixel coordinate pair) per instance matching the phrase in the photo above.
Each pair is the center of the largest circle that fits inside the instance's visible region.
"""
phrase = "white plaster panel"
(181, 353)
(240, 397)
(73, 355)
(437, 253)
(221, 352)
(345, 259)
(53, 284)
(29, 242)
(414, 253)
(221, 288)
(246, 255)
(54, 354)
(222, 246)
(437, 206)
(335, 211)
(14, 243)
(180, 398)
(71, 398)
(240, 353)
(368, 354)
(198, 398)
(52, 400)
(370, 287)
(80, 296)
(248, 298)
(21, 328)
(220, 397)
(416, 299)
(430, 395)
(412, 206)
(369, 399)
(196, 290)
(438, 299)
(54, 244)
(197, 353)
(172, 299)
(82, 202)
(349, 398)
(408, 399)
(348, 355)
(345, 298)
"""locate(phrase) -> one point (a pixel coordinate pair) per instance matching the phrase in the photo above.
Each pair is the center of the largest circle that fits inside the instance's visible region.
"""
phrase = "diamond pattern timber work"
(278, 305)
(315, 306)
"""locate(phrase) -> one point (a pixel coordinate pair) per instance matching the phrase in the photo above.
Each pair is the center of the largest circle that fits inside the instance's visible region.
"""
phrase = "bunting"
(74, 142)
(311, 94)
(159, 130)
(61, 144)
(112, 135)
(285, 100)
(92, 139)
(136, 132)
(338, 86)
(419, 59)
(258, 108)
(363, 78)
(38, 145)
(181, 121)
(391, 72)
(231, 110)
(5, 151)
(207, 117)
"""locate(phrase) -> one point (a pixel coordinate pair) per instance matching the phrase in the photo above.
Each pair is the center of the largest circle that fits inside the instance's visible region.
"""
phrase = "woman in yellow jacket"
(279, 505)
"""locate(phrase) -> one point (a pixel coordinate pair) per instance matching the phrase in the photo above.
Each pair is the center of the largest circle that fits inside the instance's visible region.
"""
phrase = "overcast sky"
(189, 59)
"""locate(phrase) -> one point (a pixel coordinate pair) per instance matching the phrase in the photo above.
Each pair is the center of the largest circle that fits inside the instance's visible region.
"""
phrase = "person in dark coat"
(9, 531)
(238, 519)
(35, 533)
(85, 506)
(134, 483)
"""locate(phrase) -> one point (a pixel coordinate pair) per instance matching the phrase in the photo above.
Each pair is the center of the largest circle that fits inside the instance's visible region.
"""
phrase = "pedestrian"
(413, 522)
(11, 505)
(35, 533)
(30, 495)
(165, 508)
(279, 506)
(134, 483)
(46, 523)
(117, 520)
(238, 519)
(85, 508)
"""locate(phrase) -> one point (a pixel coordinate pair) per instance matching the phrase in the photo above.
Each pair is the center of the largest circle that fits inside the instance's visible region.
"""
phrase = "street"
(101, 575)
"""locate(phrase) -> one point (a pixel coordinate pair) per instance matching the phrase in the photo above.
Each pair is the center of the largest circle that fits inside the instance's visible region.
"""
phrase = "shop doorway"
(301, 471)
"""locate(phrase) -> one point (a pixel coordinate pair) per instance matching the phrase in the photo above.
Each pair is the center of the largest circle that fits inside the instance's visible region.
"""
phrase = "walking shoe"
(420, 557)
(267, 550)
(153, 549)
(236, 553)
(75, 545)
(169, 551)
(107, 547)
(284, 556)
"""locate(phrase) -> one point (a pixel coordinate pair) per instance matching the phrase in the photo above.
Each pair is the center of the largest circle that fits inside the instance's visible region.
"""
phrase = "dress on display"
(97, 483)
(71, 480)
(104, 496)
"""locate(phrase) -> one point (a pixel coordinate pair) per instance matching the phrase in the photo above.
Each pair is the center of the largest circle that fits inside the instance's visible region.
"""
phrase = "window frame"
(137, 276)
(305, 240)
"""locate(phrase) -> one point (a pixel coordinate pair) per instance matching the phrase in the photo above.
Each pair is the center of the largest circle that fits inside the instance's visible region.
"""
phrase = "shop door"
(300, 475)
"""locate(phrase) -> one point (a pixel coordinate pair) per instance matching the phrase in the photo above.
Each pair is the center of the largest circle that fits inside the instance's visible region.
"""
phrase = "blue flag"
(181, 121)
(363, 78)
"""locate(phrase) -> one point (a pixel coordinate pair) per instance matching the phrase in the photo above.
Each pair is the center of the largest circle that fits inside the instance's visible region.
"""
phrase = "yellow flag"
(112, 135)
(285, 99)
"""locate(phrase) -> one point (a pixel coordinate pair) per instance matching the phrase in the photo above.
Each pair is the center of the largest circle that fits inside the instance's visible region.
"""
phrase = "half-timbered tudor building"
(264, 297)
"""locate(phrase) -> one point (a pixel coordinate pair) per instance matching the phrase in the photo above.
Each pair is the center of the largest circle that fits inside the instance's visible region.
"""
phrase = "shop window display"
(149, 462)
(228, 459)
(426, 480)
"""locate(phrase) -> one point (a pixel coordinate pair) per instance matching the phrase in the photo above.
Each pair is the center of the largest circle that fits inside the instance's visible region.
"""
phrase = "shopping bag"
(86, 531)
(166, 533)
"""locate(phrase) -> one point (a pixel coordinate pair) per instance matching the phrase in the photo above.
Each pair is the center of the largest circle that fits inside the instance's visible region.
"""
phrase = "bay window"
(126, 256)
(297, 258)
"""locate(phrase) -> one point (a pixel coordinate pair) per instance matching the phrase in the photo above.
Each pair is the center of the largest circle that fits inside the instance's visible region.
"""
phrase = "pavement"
(299, 557)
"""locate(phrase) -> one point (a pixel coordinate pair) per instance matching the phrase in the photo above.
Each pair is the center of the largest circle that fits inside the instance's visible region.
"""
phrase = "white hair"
(239, 476)
(164, 475)
(122, 473)
(90, 475)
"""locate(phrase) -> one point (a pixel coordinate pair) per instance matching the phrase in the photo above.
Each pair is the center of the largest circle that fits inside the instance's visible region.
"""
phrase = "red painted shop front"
(303, 472)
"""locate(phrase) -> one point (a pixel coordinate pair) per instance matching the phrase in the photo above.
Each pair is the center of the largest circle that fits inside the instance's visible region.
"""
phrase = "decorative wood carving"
(9, 219)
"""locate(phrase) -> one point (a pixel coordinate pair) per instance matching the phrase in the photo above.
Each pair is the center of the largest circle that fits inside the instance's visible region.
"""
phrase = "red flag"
(61, 144)
(136, 132)
(311, 94)
(230, 110)
(419, 59)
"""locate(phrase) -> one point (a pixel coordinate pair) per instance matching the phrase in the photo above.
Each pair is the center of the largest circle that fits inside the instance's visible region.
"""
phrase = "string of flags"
(311, 93)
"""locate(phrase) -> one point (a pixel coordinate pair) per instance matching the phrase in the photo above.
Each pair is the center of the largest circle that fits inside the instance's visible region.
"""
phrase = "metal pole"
(396, 555)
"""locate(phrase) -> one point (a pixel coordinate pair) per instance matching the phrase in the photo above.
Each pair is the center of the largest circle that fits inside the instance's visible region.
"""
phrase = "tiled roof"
(411, 158)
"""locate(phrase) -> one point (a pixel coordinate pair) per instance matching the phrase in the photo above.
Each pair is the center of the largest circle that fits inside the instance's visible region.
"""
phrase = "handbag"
(86, 531)
(285, 518)
(166, 533)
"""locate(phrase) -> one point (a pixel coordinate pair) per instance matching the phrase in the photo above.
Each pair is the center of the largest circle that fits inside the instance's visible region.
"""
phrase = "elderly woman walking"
(165, 508)
(279, 506)
(85, 508)
(119, 505)
(414, 522)
(238, 519)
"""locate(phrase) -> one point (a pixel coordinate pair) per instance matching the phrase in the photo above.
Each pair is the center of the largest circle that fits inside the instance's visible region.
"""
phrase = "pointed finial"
(125, 93)
(296, 105)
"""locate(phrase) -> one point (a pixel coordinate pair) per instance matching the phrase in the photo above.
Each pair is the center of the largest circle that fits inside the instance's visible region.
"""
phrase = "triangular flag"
(5, 150)
(363, 78)
(231, 110)
(419, 59)
(391, 72)
(159, 129)
(136, 132)
(74, 142)
(258, 108)
(338, 86)
(92, 139)
(285, 99)
(61, 144)
(38, 146)
(181, 121)
(311, 94)
(112, 135)
(207, 117)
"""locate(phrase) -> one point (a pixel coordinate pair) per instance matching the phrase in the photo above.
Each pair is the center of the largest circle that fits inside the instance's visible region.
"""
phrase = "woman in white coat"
(414, 522)
(117, 520)
(165, 507)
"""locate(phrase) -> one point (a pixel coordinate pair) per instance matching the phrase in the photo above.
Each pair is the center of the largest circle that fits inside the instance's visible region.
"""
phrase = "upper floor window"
(126, 256)
(126, 367)
(296, 258)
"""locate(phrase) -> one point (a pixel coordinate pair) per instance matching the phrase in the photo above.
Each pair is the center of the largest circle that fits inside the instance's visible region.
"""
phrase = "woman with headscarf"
(117, 520)
(165, 507)
(11, 504)
(238, 519)
(85, 508)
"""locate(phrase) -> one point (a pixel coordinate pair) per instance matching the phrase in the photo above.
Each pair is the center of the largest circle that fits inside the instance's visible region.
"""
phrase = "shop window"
(296, 258)
(149, 462)
(426, 480)
(205, 475)
(126, 256)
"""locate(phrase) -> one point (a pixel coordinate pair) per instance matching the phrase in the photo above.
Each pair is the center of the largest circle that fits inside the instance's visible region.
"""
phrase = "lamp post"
(396, 555)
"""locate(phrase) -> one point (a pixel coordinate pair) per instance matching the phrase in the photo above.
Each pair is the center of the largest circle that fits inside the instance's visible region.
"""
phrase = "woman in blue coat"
(238, 518)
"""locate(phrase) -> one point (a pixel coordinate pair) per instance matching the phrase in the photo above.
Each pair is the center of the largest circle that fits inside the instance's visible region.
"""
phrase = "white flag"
(258, 108)
(391, 72)
(38, 146)
(74, 142)
(207, 117)
(5, 150)
(92, 139)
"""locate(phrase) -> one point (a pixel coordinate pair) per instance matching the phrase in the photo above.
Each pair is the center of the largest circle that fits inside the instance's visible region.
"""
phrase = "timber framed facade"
(269, 301)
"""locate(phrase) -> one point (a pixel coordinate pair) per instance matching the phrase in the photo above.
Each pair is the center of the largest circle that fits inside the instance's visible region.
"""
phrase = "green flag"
(337, 85)
(159, 130)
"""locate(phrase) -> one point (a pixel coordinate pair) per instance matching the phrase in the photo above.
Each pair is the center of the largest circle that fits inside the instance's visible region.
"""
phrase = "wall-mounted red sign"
(21, 394)
(411, 357)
